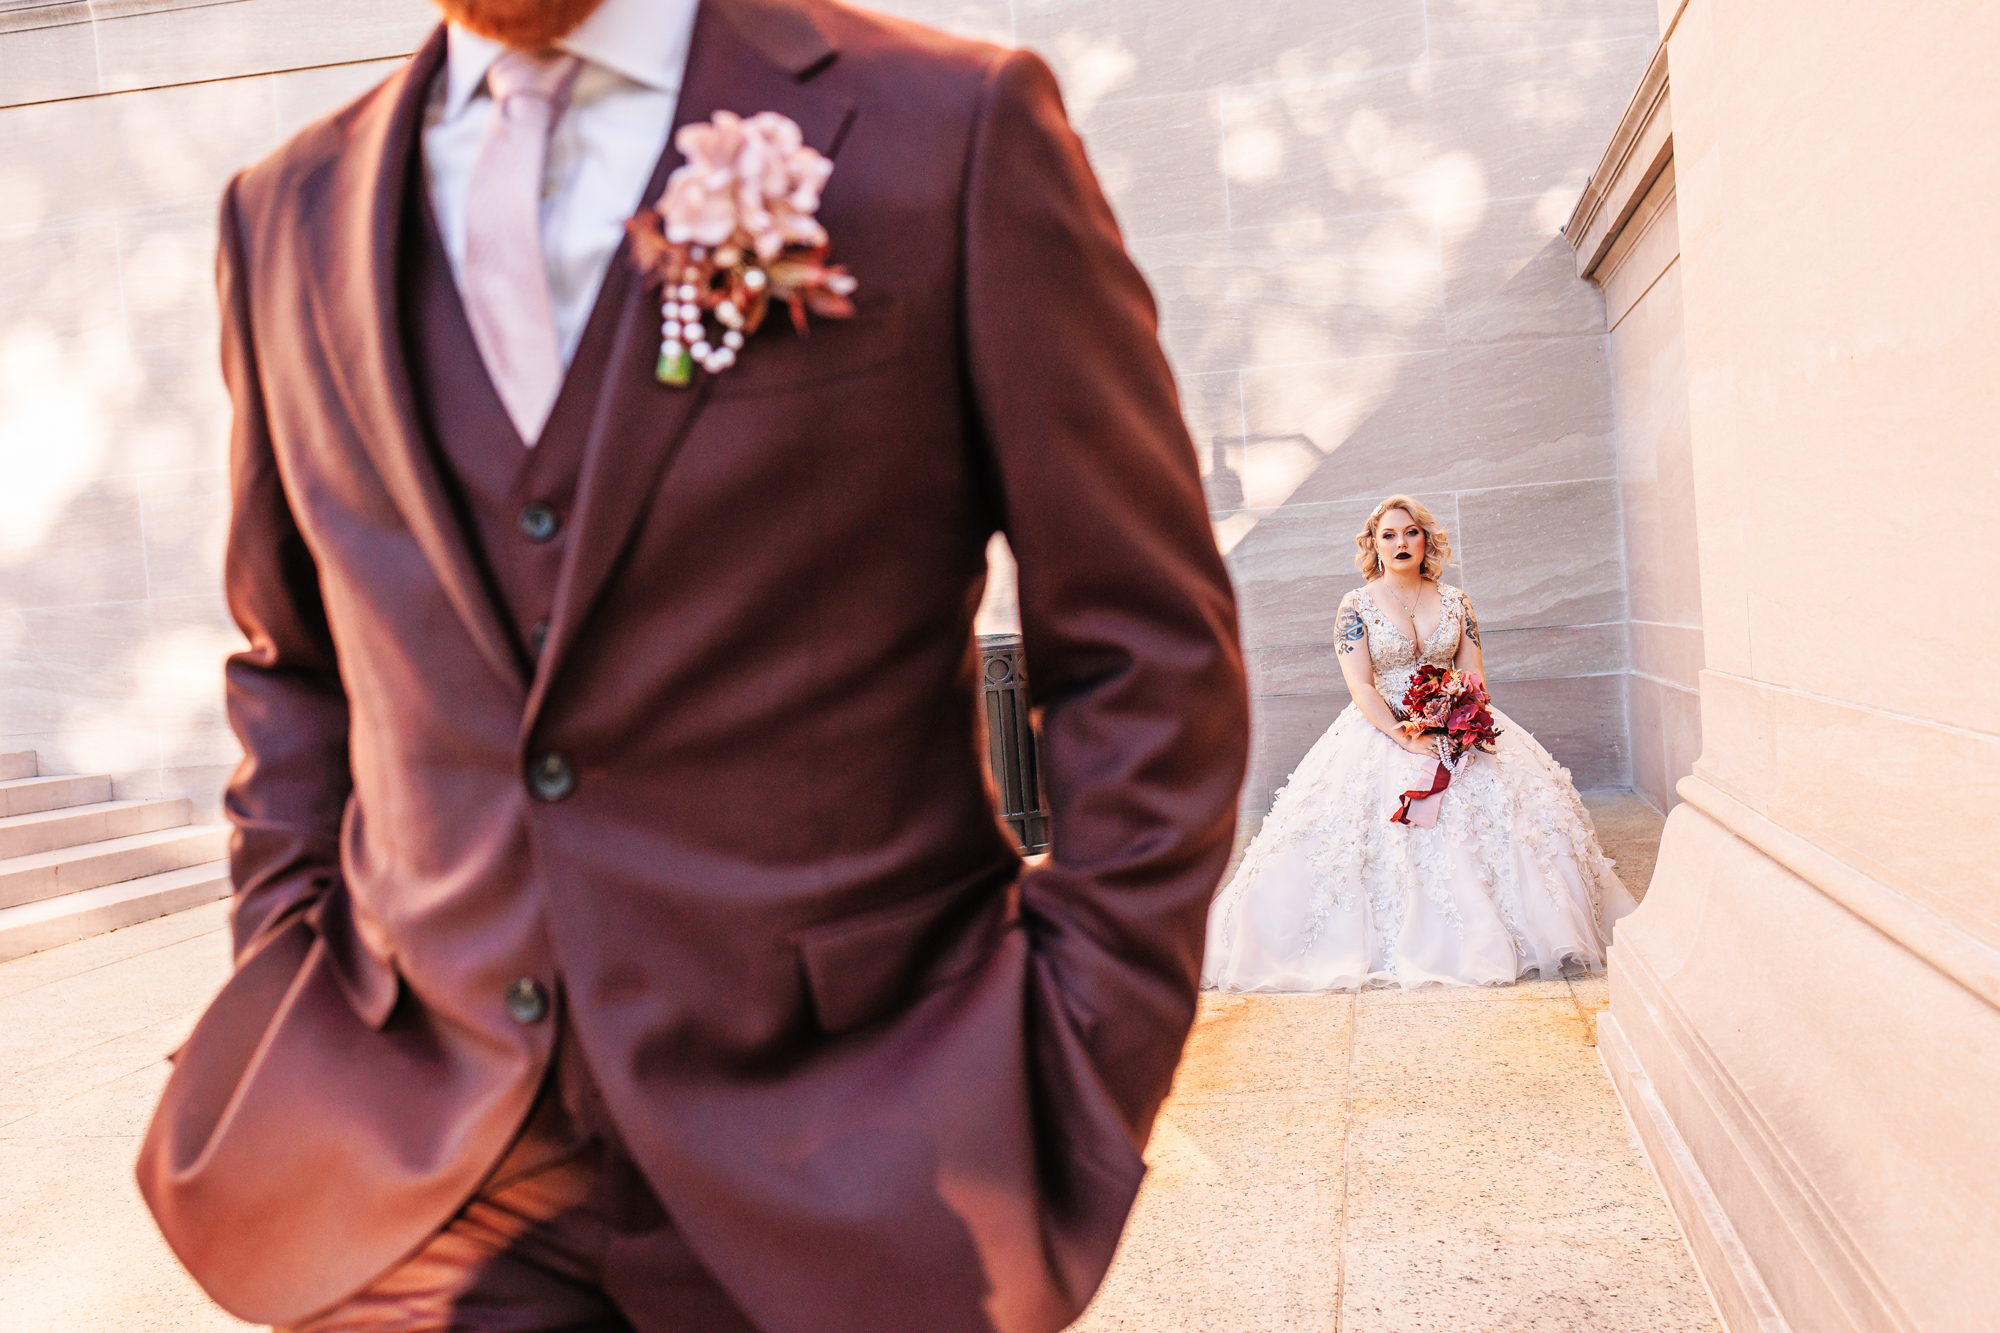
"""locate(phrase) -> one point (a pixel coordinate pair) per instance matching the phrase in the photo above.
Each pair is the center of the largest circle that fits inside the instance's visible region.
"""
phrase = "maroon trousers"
(566, 1236)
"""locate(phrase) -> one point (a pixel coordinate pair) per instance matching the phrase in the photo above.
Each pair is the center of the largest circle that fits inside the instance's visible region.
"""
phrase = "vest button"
(527, 1001)
(538, 637)
(539, 523)
(550, 777)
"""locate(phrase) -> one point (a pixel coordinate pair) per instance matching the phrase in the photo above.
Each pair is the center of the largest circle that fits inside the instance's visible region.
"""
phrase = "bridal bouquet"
(1451, 707)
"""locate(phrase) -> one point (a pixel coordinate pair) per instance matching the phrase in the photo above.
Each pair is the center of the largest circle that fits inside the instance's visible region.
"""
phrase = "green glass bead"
(676, 370)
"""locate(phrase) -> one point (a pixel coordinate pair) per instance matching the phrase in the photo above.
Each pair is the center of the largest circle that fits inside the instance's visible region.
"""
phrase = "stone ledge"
(34, 15)
(68, 50)
(1783, 766)
(1766, 1017)
(1733, 1175)
(1639, 151)
(1940, 942)
(1732, 1281)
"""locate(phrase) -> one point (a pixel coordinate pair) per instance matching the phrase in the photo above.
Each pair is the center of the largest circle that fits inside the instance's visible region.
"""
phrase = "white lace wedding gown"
(1332, 896)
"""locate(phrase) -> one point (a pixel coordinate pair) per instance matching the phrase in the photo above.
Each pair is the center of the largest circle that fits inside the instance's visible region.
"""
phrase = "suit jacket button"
(527, 1002)
(539, 523)
(550, 777)
(538, 637)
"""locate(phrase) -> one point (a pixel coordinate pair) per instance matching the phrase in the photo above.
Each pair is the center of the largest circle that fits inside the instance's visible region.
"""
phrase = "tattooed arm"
(1358, 669)
(1351, 631)
(1471, 659)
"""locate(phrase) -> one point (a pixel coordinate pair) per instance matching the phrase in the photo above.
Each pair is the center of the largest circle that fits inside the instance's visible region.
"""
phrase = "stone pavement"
(1384, 1163)
(84, 1031)
(1399, 1162)
(1447, 1160)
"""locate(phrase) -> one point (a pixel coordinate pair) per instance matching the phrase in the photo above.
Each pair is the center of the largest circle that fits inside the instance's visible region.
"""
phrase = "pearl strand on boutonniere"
(684, 338)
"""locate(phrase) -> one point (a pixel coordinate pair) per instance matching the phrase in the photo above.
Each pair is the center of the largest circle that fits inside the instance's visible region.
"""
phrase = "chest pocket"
(779, 359)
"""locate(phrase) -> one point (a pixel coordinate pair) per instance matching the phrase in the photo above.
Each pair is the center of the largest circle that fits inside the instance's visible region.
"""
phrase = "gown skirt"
(1332, 896)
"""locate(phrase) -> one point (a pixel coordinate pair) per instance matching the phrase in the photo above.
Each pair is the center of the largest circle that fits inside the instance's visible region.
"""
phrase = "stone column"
(1805, 1023)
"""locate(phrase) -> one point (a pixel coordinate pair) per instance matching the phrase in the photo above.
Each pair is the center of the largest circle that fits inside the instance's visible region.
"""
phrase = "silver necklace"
(1408, 610)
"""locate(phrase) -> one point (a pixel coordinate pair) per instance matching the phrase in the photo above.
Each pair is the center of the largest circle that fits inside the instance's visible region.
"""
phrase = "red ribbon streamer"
(1438, 784)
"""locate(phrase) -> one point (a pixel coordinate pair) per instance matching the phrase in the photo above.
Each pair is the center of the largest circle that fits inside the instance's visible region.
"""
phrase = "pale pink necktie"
(505, 281)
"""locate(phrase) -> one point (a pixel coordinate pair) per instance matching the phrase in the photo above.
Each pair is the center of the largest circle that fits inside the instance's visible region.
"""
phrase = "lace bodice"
(1394, 656)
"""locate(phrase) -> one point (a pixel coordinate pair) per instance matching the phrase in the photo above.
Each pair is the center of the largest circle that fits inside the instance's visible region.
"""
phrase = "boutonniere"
(735, 231)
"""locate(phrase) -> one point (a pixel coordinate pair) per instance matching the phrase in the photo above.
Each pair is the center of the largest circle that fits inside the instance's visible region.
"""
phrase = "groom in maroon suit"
(625, 937)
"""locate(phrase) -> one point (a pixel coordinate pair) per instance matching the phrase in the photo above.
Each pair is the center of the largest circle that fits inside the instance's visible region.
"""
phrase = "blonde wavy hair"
(1437, 542)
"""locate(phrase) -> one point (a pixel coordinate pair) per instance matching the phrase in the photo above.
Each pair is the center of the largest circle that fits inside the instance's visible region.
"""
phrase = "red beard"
(525, 25)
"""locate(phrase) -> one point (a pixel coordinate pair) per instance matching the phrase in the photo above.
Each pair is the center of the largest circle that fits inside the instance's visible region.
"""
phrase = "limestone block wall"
(1626, 233)
(1642, 290)
(120, 120)
(1805, 1019)
(1350, 213)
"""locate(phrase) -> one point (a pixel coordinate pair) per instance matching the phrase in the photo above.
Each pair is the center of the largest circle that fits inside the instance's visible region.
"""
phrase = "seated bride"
(1332, 895)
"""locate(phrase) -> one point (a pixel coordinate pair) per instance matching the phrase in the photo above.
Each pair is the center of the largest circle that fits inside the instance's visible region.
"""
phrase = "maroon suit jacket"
(880, 1077)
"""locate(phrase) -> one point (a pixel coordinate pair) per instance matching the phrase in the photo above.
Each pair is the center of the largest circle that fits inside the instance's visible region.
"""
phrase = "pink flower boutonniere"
(735, 231)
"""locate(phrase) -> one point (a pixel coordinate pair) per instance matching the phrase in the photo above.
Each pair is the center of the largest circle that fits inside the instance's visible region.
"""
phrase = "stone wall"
(1350, 214)
(119, 124)
(1626, 233)
(1642, 292)
(1805, 1018)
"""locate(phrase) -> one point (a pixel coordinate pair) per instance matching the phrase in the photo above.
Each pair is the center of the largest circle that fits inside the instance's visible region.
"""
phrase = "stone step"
(25, 796)
(17, 766)
(40, 875)
(72, 826)
(74, 916)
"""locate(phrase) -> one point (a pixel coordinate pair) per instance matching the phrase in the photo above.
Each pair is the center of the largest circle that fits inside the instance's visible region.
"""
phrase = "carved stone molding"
(26, 15)
(30, 15)
(1720, 1255)
(1639, 151)
(1942, 943)
(59, 50)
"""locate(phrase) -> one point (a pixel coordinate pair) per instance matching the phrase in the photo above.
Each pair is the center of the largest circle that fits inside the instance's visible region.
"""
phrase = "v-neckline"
(1422, 641)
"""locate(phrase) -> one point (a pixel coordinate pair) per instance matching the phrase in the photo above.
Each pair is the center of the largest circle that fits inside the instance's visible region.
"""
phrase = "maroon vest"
(515, 502)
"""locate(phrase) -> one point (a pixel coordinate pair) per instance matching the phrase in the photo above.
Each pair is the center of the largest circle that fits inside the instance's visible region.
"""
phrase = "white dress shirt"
(602, 152)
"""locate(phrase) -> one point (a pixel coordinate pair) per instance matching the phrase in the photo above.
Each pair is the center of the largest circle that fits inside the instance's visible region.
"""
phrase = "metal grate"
(1011, 743)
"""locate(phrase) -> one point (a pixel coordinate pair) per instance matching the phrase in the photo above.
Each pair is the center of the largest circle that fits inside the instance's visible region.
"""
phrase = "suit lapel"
(354, 208)
(747, 56)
